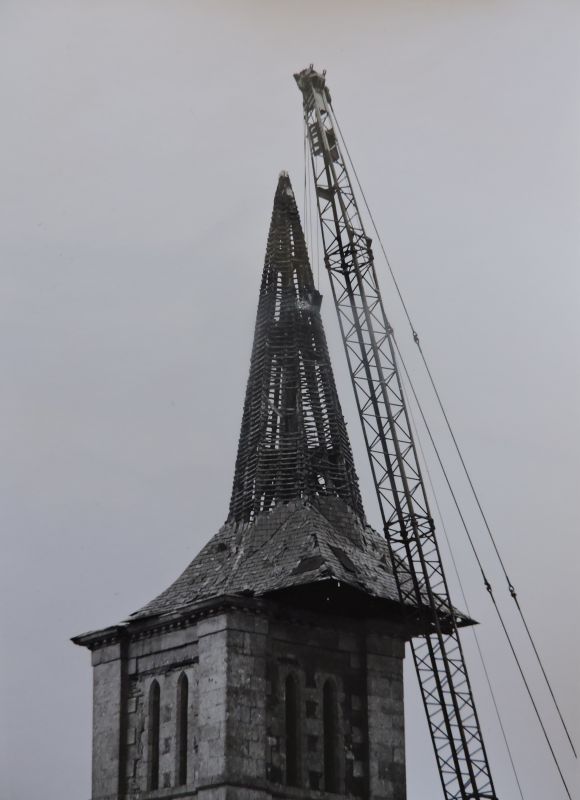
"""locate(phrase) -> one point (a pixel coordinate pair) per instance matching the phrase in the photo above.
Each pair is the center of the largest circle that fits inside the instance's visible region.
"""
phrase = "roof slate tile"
(297, 543)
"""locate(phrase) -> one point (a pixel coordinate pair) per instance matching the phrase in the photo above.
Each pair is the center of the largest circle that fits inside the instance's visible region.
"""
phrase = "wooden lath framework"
(293, 441)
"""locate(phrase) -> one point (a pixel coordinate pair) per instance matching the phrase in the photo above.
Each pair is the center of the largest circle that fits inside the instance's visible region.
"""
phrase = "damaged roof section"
(298, 543)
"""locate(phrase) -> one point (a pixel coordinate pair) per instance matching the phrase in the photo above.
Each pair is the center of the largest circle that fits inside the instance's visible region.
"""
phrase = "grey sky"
(141, 143)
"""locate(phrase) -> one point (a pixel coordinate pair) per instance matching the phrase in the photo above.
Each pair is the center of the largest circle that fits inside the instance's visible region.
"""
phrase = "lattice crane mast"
(408, 525)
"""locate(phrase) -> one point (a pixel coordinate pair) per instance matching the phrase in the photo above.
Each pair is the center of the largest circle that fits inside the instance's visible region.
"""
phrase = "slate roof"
(298, 543)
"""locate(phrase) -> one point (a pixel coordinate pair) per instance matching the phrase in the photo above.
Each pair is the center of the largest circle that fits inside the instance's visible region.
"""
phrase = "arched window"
(153, 738)
(181, 729)
(330, 728)
(292, 704)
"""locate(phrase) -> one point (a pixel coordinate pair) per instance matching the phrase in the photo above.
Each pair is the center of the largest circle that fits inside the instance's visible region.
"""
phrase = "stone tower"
(273, 666)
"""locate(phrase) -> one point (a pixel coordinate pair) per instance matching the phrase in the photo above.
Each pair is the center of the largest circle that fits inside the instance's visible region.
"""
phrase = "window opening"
(181, 729)
(330, 728)
(292, 732)
(153, 737)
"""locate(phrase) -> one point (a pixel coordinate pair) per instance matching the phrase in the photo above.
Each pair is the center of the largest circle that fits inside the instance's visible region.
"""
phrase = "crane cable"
(417, 341)
(314, 255)
(464, 598)
(486, 583)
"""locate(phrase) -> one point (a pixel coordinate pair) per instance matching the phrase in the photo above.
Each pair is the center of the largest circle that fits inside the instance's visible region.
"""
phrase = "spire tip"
(284, 183)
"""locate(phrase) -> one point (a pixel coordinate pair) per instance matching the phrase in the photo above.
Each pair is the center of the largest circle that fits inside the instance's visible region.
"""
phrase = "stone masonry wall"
(236, 663)
(163, 658)
(107, 722)
(385, 709)
(232, 696)
(365, 665)
(314, 654)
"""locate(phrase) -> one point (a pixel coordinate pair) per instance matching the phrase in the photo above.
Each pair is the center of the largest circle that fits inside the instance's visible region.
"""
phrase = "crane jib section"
(407, 521)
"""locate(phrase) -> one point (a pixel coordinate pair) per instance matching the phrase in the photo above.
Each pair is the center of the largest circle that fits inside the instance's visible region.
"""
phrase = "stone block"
(381, 644)
(103, 655)
(212, 625)
(349, 641)
(165, 640)
(247, 622)
(383, 665)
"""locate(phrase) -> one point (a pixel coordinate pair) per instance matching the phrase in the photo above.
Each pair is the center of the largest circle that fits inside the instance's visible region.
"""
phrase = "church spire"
(293, 440)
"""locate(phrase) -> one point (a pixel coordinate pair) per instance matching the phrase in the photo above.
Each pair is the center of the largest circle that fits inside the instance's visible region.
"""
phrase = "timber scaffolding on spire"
(296, 527)
(293, 441)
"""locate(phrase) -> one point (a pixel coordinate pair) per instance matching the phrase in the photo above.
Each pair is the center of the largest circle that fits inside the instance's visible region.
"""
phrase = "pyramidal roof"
(296, 516)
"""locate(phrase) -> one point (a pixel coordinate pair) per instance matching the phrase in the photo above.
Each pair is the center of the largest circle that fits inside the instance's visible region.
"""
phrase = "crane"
(406, 517)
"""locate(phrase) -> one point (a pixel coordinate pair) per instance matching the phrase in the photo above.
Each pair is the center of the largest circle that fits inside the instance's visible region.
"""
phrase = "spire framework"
(293, 441)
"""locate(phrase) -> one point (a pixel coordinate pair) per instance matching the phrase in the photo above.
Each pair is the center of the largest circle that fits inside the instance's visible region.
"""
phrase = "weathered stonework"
(236, 660)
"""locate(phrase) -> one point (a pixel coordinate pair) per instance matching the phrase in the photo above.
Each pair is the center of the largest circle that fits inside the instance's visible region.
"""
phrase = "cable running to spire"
(463, 596)
(417, 341)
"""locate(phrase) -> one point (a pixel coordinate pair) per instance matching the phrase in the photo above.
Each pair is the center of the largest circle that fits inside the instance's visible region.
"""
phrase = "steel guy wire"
(486, 583)
(417, 341)
(463, 595)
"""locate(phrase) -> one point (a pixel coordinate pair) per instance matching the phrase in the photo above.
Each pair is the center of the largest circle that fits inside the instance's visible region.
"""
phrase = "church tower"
(273, 666)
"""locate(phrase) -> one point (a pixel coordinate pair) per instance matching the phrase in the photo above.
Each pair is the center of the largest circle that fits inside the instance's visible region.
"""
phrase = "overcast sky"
(141, 143)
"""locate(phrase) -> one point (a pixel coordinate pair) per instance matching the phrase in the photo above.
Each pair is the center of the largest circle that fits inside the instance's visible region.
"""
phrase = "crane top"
(309, 78)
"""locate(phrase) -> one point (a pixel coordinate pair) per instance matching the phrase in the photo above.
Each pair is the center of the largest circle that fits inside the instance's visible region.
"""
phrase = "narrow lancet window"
(292, 732)
(330, 731)
(153, 738)
(181, 731)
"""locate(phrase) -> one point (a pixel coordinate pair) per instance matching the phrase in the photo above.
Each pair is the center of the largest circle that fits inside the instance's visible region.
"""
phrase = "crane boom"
(407, 521)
